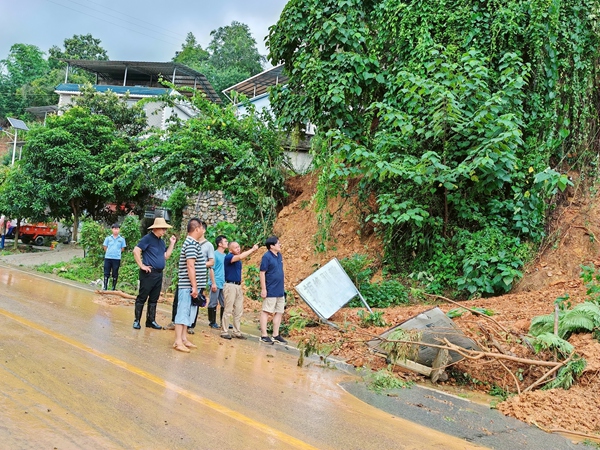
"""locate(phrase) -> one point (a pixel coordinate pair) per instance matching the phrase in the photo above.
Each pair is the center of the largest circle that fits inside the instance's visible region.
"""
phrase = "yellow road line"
(161, 382)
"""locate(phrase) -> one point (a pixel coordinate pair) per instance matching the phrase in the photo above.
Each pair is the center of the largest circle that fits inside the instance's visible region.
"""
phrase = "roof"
(136, 91)
(42, 111)
(137, 73)
(260, 83)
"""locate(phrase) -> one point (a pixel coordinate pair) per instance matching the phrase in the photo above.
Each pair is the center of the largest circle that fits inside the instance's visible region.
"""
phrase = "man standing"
(208, 250)
(209, 255)
(192, 279)
(272, 290)
(151, 254)
(217, 281)
(113, 247)
(232, 290)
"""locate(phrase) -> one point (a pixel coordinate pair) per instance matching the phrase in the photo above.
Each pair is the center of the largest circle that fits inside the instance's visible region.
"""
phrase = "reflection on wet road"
(74, 374)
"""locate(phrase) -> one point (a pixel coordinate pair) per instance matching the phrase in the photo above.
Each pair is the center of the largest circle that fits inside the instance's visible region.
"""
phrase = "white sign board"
(328, 289)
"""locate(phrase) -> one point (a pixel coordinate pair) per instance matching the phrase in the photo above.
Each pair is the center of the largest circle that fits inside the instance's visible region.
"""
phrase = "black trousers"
(112, 264)
(150, 286)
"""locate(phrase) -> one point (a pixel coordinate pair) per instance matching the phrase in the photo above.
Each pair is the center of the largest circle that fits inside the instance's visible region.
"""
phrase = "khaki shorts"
(273, 305)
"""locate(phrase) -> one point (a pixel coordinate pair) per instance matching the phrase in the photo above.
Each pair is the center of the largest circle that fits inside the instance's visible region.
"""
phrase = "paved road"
(74, 374)
(43, 255)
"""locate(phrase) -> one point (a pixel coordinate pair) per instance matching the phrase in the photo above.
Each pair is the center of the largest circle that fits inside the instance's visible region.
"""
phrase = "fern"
(583, 317)
(542, 324)
(568, 374)
(549, 341)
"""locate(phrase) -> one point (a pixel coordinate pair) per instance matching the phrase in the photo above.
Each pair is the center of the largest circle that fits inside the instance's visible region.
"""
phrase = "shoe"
(231, 327)
(266, 340)
(214, 325)
(153, 325)
(239, 336)
(171, 326)
(188, 344)
(136, 325)
(279, 339)
(181, 348)
(190, 331)
(226, 336)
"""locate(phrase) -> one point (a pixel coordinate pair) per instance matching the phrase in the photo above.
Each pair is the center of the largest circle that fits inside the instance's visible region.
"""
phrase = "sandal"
(188, 344)
(181, 348)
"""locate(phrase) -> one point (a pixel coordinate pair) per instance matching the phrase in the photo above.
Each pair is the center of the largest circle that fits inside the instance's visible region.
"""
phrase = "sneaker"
(226, 336)
(171, 326)
(231, 327)
(190, 330)
(214, 325)
(239, 336)
(279, 340)
(266, 340)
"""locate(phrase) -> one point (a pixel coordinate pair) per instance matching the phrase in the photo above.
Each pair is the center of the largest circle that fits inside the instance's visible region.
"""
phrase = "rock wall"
(211, 207)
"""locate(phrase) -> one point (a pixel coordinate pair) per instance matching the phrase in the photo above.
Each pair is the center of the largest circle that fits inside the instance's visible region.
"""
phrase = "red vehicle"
(37, 232)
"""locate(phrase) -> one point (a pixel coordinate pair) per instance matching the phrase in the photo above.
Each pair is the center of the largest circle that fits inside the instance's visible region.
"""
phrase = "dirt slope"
(554, 273)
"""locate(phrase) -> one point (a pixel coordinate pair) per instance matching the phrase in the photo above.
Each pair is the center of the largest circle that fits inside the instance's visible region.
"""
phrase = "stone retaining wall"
(211, 207)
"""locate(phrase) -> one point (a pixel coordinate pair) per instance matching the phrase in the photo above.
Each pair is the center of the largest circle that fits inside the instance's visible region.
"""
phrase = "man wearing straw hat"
(150, 255)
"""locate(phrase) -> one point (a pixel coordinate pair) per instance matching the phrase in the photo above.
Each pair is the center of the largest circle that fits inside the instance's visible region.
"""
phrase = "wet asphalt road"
(74, 374)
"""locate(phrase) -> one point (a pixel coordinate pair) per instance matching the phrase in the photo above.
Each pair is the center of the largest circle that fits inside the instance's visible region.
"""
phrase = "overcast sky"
(134, 30)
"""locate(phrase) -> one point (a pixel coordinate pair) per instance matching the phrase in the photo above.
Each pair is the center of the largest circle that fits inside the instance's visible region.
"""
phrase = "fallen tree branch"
(593, 437)
(550, 372)
(473, 311)
(513, 376)
(118, 293)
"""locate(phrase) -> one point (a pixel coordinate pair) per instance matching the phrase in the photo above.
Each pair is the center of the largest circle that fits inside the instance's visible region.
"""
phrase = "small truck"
(36, 233)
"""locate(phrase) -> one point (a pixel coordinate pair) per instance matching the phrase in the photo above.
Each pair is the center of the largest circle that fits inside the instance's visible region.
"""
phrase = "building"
(141, 80)
(256, 89)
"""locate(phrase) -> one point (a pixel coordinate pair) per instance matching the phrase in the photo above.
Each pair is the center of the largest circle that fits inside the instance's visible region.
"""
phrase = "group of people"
(201, 269)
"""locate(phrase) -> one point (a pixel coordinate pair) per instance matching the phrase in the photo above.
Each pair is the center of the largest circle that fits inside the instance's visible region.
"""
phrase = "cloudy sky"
(136, 30)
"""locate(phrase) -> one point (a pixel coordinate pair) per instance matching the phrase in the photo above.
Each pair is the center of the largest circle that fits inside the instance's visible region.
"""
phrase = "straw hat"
(159, 222)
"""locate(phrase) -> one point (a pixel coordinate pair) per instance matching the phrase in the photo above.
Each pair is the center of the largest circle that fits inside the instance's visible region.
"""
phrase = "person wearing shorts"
(191, 279)
(272, 291)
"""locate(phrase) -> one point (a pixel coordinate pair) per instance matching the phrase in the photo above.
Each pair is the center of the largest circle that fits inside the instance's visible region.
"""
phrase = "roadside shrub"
(131, 232)
(91, 240)
(357, 267)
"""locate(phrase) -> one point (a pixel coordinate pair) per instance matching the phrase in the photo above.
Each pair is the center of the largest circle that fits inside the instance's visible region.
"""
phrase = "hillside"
(555, 272)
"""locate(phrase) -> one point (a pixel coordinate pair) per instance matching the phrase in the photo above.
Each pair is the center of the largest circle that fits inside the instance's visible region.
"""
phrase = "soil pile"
(554, 273)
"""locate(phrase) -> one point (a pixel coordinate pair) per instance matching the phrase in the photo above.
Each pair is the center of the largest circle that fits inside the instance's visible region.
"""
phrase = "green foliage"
(591, 278)
(91, 240)
(384, 380)
(567, 375)
(131, 231)
(458, 120)
(230, 230)
(499, 392)
(217, 150)
(311, 345)
(549, 341)
(583, 317)
(176, 203)
(252, 282)
(458, 312)
(357, 267)
(384, 294)
(397, 351)
(373, 319)
(297, 321)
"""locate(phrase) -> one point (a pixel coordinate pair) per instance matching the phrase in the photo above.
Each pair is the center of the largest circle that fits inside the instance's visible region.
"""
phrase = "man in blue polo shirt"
(232, 290)
(272, 290)
(113, 247)
(151, 255)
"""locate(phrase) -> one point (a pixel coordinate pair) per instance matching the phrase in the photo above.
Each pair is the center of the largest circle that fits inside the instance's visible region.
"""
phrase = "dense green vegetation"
(460, 118)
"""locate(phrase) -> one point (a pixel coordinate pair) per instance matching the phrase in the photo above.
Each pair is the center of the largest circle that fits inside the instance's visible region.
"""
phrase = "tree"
(19, 197)
(69, 159)
(78, 47)
(192, 53)
(216, 150)
(449, 116)
(23, 64)
(234, 46)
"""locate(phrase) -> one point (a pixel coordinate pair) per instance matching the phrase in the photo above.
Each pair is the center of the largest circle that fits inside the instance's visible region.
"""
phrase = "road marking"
(286, 438)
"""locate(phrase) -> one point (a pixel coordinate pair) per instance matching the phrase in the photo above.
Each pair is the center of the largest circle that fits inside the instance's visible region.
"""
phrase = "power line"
(104, 20)
(177, 35)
